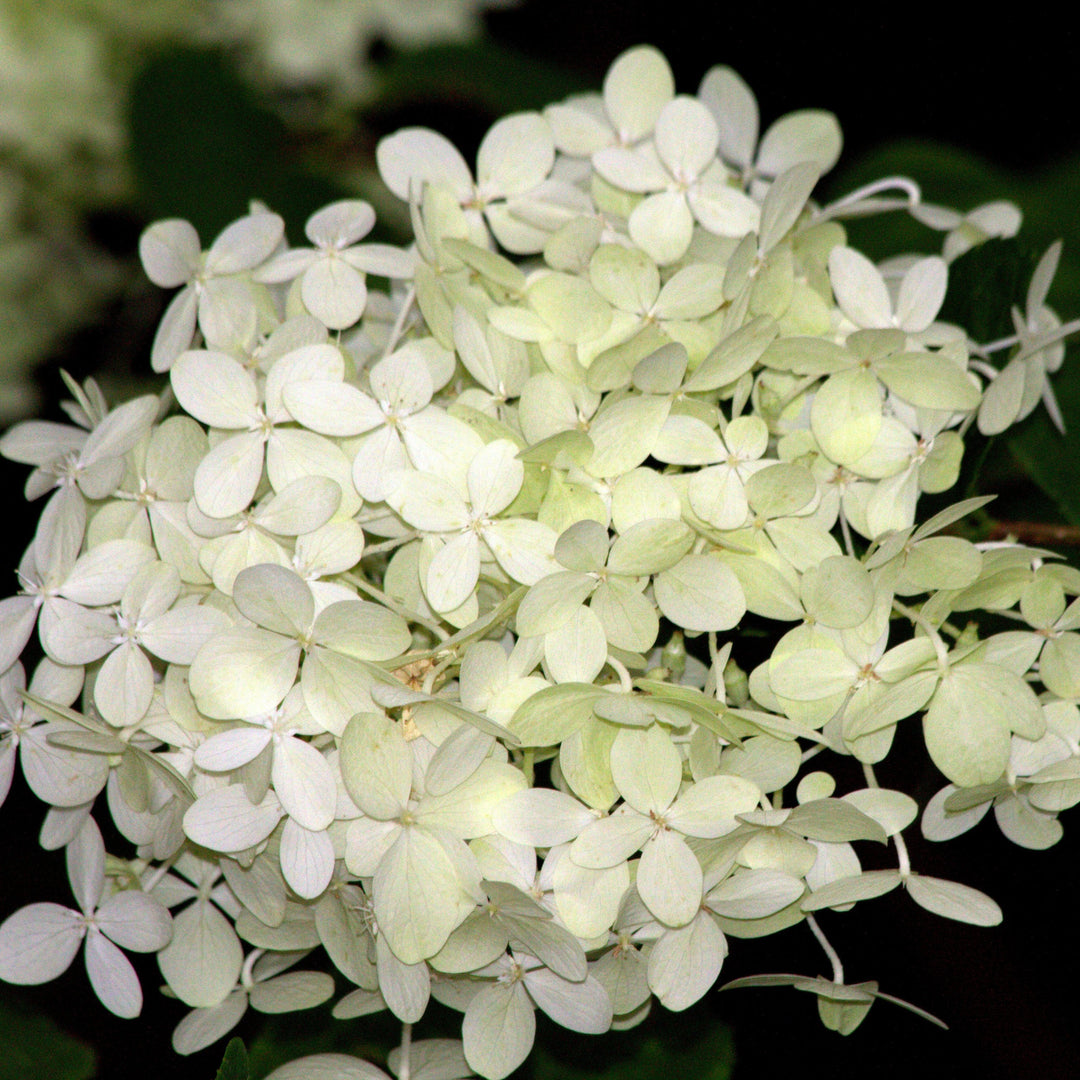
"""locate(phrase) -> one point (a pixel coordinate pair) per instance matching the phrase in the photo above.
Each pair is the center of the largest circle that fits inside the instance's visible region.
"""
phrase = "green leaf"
(189, 108)
(234, 1065)
(32, 1044)
(665, 1047)
(1050, 457)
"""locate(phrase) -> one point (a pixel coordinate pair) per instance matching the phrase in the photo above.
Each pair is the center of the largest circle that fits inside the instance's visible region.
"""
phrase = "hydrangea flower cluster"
(404, 632)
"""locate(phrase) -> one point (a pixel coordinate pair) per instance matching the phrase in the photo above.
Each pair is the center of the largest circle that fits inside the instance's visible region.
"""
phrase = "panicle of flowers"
(407, 624)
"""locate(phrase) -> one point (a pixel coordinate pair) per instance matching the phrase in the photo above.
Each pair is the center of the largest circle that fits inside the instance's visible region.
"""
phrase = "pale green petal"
(243, 672)
(754, 894)
(523, 548)
(551, 601)
(376, 765)
(860, 289)
(275, 598)
(227, 478)
(419, 898)
(453, 572)
(846, 415)
(576, 651)
(662, 225)
(669, 879)
(723, 210)
(625, 277)
(498, 1030)
(541, 817)
(291, 992)
(417, 156)
(684, 963)
(646, 768)
(806, 135)
(215, 389)
(307, 857)
(700, 593)
(124, 686)
(625, 432)
(922, 291)
(733, 105)
(628, 618)
(515, 155)
(360, 629)
(304, 783)
(953, 900)
(637, 86)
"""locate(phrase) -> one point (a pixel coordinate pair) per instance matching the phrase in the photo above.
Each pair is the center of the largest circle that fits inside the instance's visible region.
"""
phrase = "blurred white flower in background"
(67, 68)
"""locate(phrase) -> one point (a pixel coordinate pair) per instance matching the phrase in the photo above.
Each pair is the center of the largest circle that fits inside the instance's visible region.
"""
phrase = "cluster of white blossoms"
(402, 635)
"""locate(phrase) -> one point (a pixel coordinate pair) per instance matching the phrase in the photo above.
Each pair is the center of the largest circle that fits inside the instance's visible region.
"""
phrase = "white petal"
(684, 963)
(112, 977)
(686, 138)
(662, 226)
(304, 783)
(203, 1027)
(215, 389)
(636, 87)
(202, 962)
(85, 858)
(135, 921)
(334, 292)
(227, 478)
(307, 859)
(170, 252)
(541, 817)
(860, 289)
(498, 1030)
(226, 820)
(582, 1006)
(669, 879)
(38, 943)
(413, 157)
(245, 243)
(515, 155)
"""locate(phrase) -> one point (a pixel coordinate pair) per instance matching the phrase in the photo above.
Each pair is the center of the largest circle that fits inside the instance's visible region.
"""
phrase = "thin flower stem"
(399, 324)
(917, 618)
(830, 952)
(903, 859)
(845, 531)
(436, 671)
(400, 609)
(390, 545)
(404, 1069)
(154, 880)
(1038, 533)
(247, 980)
(848, 206)
(997, 346)
(800, 387)
(626, 684)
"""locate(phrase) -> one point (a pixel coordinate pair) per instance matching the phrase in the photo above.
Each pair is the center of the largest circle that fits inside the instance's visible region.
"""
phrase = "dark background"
(1001, 88)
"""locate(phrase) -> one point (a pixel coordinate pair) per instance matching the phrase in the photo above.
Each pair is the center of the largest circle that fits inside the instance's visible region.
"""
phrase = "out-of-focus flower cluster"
(66, 73)
(408, 625)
